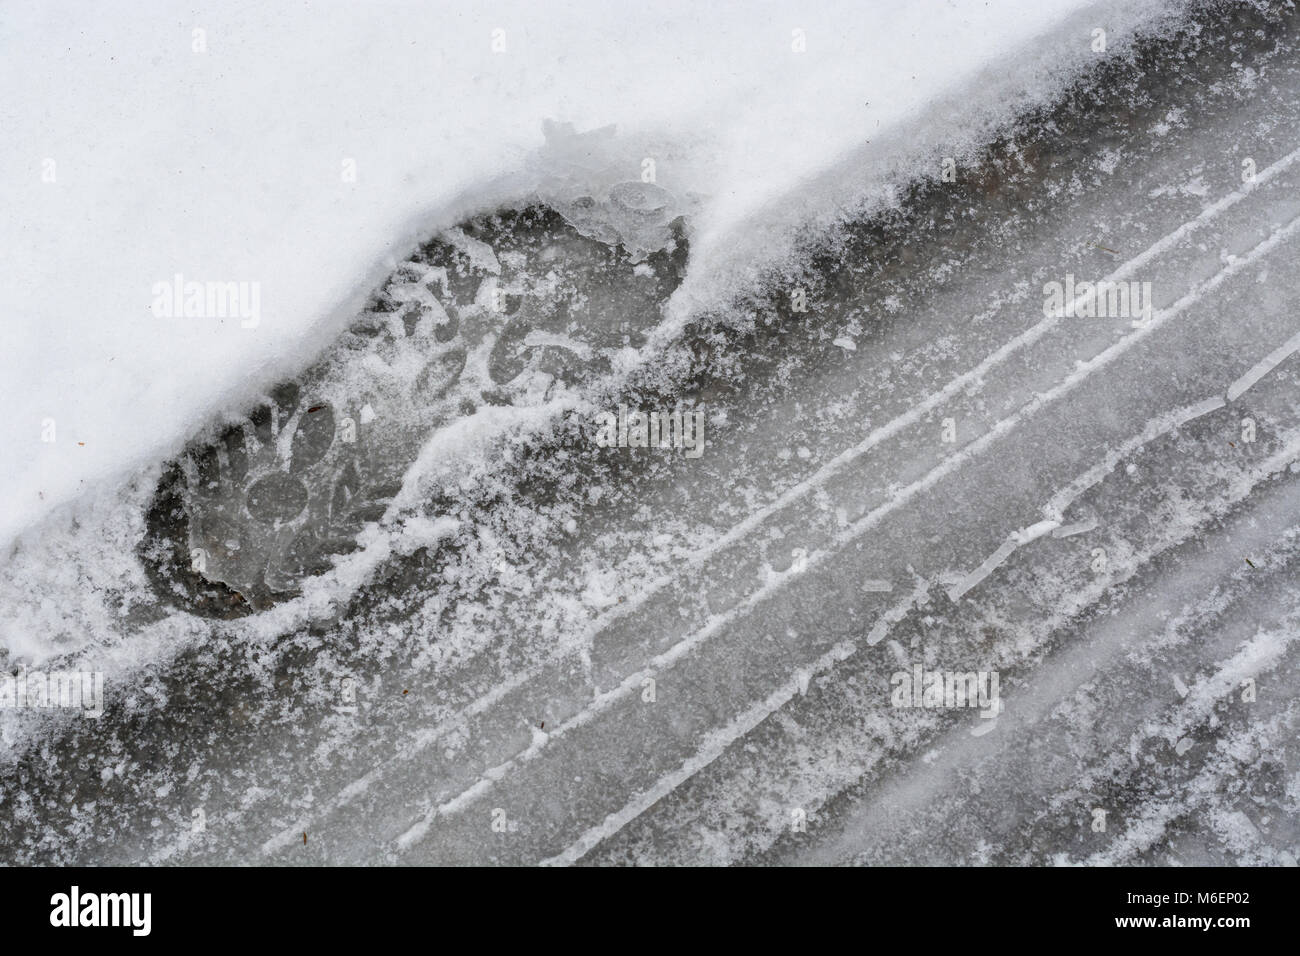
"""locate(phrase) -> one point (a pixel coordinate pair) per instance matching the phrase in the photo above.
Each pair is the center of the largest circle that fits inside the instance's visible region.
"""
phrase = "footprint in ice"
(507, 309)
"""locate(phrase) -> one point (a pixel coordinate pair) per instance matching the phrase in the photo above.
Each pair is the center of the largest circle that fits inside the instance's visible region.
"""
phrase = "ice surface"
(1100, 530)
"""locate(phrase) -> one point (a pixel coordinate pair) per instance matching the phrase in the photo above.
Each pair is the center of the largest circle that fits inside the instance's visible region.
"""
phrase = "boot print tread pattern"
(508, 309)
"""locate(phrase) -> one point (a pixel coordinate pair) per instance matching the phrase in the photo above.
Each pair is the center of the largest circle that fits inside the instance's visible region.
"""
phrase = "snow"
(231, 163)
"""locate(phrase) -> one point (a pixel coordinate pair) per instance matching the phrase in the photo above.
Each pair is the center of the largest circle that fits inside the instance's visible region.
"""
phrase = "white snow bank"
(128, 157)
